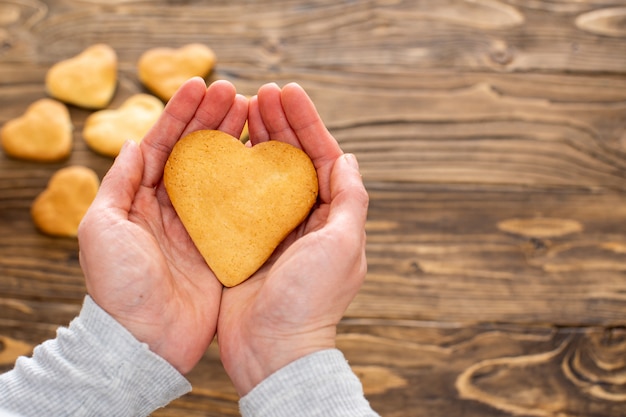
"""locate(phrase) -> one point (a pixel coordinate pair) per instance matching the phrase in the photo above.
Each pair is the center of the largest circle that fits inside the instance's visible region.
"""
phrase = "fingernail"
(351, 160)
(127, 143)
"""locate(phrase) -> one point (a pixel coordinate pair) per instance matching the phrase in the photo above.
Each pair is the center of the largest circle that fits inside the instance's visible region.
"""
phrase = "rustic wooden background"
(492, 139)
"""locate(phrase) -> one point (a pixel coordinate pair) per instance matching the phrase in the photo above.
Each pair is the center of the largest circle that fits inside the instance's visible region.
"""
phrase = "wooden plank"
(419, 34)
(475, 159)
(482, 256)
(413, 368)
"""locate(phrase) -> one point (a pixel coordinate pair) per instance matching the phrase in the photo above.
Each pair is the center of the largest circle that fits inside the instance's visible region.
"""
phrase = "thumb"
(349, 199)
(348, 195)
(121, 183)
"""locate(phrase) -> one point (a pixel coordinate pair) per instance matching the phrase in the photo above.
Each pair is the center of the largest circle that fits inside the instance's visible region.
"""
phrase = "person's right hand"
(292, 305)
(139, 262)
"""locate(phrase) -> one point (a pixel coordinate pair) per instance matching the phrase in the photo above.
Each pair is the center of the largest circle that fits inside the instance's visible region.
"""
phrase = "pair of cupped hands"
(142, 268)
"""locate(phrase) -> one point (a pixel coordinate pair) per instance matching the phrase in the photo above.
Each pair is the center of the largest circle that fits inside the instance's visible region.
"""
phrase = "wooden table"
(492, 139)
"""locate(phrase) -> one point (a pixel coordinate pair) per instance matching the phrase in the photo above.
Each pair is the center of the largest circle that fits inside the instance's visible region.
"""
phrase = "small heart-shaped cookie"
(237, 202)
(164, 70)
(106, 131)
(87, 80)
(58, 210)
(43, 133)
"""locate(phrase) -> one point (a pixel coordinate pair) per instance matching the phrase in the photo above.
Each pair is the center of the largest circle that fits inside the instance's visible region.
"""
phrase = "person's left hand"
(140, 264)
(291, 306)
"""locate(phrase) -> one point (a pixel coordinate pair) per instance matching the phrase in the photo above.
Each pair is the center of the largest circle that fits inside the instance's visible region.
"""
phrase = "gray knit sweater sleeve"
(93, 368)
(320, 384)
(97, 368)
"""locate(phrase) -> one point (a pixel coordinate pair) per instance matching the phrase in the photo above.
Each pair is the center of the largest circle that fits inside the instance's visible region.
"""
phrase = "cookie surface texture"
(164, 70)
(58, 210)
(236, 202)
(87, 80)
(105, 131)
(42, 134)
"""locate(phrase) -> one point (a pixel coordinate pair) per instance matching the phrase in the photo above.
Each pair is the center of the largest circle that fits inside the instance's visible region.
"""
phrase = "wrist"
(321, 384)
(249, 366)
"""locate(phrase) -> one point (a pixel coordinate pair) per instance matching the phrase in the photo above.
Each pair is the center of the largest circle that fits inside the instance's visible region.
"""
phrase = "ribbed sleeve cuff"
(319, 384)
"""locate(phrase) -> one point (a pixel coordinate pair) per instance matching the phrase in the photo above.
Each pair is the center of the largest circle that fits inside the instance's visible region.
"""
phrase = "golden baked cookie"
(58, 210)
(43, 133)
(88, 79)
(164, 70)
(105, 131)
(236, 202)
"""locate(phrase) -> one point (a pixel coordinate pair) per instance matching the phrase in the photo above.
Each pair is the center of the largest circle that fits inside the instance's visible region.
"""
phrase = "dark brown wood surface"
(492, 139)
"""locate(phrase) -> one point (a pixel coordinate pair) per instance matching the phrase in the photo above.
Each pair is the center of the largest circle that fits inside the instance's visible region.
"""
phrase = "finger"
(308, 126)
(312, 134)
(236, 117)
(349, 198)
(273, 115)
(218, 99)
(159, 141)
(120, 184)
(256, 128)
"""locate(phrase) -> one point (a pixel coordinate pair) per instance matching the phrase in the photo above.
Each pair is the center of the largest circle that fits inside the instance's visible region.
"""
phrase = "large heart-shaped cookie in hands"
(238, 203)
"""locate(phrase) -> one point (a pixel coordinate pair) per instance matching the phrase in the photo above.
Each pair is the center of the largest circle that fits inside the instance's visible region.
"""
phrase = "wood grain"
(491, 135)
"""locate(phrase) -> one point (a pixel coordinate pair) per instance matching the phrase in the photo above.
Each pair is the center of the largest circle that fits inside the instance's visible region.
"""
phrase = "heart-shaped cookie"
(87, 80)
(43, 133)
(105, 131)
(58, 210)
(164, 70)
(237, 202)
